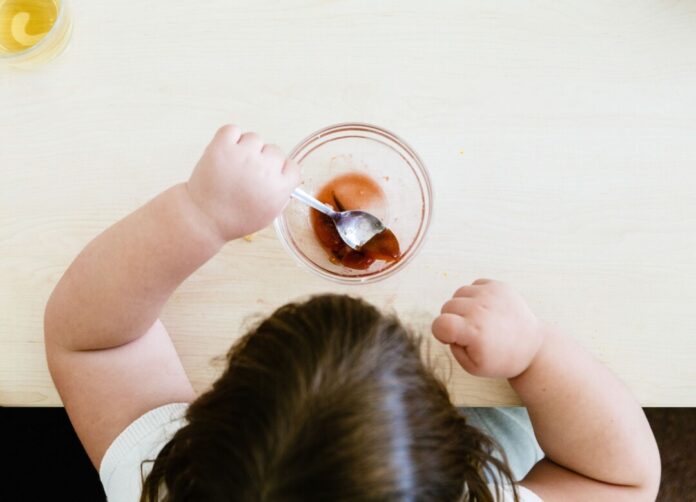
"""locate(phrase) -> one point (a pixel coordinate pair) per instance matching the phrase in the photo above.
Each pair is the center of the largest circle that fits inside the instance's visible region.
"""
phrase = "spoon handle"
(305, 198)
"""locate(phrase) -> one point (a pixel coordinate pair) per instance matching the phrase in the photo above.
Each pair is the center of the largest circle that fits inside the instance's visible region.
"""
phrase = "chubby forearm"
(585, 418)
(114, 290)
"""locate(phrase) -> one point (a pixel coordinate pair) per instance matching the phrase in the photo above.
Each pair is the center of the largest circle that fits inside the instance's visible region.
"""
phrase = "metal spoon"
(356, 228)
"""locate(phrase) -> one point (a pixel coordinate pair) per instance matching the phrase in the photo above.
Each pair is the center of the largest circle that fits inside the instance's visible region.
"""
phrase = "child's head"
(325, 400)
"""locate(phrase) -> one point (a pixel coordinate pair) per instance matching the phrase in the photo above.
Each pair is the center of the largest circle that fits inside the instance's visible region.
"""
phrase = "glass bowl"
(47, 48)
(387, 159)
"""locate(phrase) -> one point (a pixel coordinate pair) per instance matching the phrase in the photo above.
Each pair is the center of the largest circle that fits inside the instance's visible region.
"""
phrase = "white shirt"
(141, 441)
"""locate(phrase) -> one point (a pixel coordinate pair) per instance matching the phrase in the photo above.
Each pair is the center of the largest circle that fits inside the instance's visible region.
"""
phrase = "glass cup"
(33, 32)
(386, 159)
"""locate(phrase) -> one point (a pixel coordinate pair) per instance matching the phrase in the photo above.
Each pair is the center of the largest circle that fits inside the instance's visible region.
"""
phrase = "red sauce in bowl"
(344, 193)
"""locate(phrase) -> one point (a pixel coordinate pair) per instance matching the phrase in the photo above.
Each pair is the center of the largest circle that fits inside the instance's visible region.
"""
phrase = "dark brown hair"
(326, 400)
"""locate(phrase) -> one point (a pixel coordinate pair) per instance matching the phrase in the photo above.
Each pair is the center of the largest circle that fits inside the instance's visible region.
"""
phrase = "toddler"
(325, 400)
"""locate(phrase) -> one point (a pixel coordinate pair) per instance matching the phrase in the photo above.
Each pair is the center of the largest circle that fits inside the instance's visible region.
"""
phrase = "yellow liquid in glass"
(23, 23)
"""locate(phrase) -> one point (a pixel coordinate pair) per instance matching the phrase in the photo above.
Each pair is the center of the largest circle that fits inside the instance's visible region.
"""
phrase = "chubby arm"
(109, 356)
(597, 441)
(587, 422)
(114, 290)
(111, 360)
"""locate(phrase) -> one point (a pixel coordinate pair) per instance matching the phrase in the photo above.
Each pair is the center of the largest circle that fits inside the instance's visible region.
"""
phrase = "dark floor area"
(45, 460)
(675, 431)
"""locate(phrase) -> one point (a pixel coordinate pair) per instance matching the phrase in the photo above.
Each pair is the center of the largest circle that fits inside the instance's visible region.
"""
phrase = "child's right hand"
(240, 183)
(490, 330)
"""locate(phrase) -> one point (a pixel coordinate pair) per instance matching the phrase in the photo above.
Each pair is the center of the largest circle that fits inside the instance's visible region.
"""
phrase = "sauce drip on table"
(344, 193)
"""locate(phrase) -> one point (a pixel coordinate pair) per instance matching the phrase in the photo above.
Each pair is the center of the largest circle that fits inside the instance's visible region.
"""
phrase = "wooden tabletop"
(560, 138)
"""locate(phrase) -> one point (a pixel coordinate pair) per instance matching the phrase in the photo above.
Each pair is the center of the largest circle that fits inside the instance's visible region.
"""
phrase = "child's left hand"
(241, 183)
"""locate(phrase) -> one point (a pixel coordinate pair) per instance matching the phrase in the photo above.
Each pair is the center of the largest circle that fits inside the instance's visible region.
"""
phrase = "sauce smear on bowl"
(345, 193)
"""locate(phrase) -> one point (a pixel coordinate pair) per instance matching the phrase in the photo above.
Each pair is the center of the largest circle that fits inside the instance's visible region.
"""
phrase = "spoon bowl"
(356, 228)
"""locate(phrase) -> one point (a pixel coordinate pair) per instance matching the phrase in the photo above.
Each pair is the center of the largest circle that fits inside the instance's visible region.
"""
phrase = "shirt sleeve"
(526, 495)
(122, 469)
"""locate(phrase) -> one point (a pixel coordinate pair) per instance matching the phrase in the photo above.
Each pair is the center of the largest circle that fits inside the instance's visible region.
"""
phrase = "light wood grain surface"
(560, 137)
